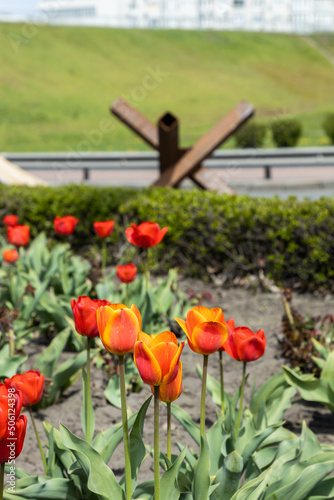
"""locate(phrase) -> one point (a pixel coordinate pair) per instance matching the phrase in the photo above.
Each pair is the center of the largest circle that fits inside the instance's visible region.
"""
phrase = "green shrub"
(292, 241)
(328, 126)
(286, 132)
(251, 136)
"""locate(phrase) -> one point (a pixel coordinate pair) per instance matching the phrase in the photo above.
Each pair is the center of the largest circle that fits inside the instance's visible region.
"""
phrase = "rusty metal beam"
(168, 129)
(190, 162)
(136, 121)
(206, 178)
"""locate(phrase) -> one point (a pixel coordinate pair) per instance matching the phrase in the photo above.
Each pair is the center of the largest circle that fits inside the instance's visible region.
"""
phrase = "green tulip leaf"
(100, 478)
(228, 477)
(169, 487)
(9, 365)
(201, 483)
(137, 447)
(47, 361)
(144, 491)
(89, 433)
(311, 388)
(186, 421)
(215, 436)
(105, 442)
(43, 489)
(323, 490)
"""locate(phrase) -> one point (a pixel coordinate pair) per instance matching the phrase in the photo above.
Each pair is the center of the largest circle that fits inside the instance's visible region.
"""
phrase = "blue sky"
(18, 6)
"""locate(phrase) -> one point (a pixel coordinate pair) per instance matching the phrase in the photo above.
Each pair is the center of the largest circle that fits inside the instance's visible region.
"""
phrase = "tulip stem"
(104, 260)
(221, 380)
(147, 279)
(169, 432)
(88, 392)
(126, 293)
(2, 479)
(125, 430)
(204, 374)
(241, 399)
(38, 441)
(11, 339)
(156, 444)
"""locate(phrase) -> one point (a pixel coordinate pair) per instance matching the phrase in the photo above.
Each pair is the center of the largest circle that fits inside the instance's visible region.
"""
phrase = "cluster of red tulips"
(145, 235)
(157, 357)
(20, 390)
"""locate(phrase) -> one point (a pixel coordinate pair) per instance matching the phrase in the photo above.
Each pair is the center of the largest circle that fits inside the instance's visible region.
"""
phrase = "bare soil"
(256, 310)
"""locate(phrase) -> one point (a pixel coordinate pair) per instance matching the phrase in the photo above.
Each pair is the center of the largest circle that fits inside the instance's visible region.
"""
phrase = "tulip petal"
(184, 328)
(217, 315)
(250, 346)
(164, 353)
(121, 331)
(208, 337)
(195, 317)
(137, 313)
(145, 338)
(165, 337)
(170, 392)
(174, 366)
(102, 316)
(161, 234)
(230, 324)
(147, 365)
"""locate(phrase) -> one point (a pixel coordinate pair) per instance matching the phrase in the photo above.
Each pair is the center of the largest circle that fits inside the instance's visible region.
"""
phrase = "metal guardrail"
(148, 160)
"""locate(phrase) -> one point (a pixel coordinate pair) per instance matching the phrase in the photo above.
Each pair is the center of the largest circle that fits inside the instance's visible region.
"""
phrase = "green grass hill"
(57, 83)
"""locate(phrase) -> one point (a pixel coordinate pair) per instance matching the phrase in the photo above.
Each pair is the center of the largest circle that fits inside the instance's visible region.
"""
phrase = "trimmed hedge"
(286, 132)
(291, 241)
(328, 126)
(251, 135)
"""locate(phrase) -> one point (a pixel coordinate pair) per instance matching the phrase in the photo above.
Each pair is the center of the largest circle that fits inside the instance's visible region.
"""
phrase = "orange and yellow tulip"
(170, 392)
(157, 358)
(205, 329)
(119, 327)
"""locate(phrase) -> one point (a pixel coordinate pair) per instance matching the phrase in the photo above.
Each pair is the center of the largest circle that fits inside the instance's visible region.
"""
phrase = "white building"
(296, 16)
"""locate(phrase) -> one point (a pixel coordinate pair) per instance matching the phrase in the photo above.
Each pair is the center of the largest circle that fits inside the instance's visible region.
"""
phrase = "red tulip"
(244, 345)
(205, 329)
(104, 228)
(84, 312)
(230, 325)
(170, 392)
(147, 234)
(11, 447)
(31, 385)
(10, 220)
(18, 235)
(157, 358)
(10, 407)
(119, 327)
(65, 225)
(10, 255)
(126, 273)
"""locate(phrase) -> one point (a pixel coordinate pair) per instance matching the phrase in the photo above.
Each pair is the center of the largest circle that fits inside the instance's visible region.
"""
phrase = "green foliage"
(286, 132)
(328, 126)
(311, 388)
(291, 241)
(227, 67)
(255, 464)
(251, 135)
